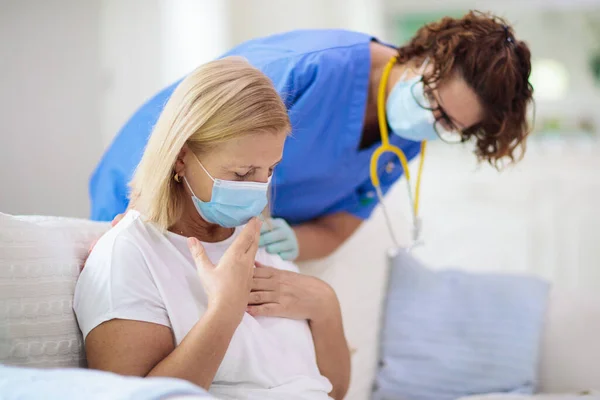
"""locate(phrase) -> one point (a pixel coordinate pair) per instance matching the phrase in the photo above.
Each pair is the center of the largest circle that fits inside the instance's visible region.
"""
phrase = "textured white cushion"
(40, 260)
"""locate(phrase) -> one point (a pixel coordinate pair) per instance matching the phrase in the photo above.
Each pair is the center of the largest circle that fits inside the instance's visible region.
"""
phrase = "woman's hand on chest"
(280, 293)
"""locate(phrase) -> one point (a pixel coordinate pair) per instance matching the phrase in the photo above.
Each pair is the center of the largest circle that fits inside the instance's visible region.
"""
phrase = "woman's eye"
(242, 176)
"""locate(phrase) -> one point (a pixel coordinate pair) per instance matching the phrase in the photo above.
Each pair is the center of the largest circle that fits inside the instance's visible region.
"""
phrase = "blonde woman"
(179, 287)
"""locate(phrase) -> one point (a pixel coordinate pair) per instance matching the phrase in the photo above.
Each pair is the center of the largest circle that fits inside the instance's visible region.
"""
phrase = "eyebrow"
(254, 166)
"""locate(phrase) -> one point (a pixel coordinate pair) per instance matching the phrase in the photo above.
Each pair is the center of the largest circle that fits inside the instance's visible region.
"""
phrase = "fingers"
(260, 284)
(265, 310)
(263, 272)
(263, 297)
(280, 247)
(274, 236)
(267, 226)
(262, 278)
(280, 240)
(247, 241)
(198, 253)
(289, 255)
(117, 219)
(253, 248)
(271, 225)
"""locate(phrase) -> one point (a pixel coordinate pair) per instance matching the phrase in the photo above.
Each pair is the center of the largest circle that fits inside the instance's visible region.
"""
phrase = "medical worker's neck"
(380, 56)
(191, 224)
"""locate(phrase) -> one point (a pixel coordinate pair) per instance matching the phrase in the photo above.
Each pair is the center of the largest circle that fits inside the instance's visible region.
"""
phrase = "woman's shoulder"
(117, 279)
(119, 261)
(126, 232)
(125, 243)
(273, 260)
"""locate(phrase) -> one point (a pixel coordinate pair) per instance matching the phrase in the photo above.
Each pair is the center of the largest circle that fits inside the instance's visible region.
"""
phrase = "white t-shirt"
(136, 272)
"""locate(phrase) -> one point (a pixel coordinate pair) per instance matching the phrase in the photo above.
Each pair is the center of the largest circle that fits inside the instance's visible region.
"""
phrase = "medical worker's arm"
(138, 348)
(322, 236)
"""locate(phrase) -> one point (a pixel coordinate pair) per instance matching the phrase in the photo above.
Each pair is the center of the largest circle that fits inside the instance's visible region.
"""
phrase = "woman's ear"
(180, 162)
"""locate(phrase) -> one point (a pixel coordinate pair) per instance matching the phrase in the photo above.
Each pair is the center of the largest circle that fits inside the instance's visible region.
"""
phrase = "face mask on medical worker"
(410, 112)
(413, 112)
(232, 203)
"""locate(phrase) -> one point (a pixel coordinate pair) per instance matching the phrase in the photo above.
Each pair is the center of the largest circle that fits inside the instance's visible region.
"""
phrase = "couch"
(40, 259)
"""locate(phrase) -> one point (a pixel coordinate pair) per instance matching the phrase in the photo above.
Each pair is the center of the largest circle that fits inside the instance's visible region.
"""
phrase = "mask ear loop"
(189, 187)
(423, 66)
(202, 166)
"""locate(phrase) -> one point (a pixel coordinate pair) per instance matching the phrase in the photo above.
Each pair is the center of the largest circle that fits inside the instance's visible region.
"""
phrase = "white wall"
(149, 44)
(130, 53)
(193, 33)
(538, 217)
(254, 18)
(49, 105)
(73, 72)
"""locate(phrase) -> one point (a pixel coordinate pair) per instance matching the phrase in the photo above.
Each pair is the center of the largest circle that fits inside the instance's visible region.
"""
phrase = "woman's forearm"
(333, 355)
(200, 353)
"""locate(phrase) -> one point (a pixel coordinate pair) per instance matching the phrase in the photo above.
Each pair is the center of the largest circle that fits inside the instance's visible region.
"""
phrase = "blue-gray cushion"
(452, 333)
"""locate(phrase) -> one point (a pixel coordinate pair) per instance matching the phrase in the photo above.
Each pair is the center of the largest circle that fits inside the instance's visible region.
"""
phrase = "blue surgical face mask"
(405, 116)
(232, 203)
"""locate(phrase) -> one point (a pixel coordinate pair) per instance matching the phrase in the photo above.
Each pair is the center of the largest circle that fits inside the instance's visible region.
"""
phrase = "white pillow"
(40, 260)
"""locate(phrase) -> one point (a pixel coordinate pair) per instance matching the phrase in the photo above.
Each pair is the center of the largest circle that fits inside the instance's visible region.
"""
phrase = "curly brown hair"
(482, 48)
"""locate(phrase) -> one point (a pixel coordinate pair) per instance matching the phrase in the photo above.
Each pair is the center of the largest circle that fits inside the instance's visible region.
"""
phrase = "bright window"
(550, 79)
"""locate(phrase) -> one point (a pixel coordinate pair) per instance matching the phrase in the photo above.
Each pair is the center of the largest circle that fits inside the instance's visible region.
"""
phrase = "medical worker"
(457, 80)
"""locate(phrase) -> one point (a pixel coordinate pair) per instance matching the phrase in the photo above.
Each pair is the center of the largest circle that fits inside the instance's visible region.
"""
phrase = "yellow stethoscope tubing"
(386, 147)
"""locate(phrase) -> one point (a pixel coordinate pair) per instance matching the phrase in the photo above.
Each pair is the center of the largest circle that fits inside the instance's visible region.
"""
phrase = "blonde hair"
(217, 102)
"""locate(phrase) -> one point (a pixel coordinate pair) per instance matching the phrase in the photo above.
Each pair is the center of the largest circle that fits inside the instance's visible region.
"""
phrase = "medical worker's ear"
(179, 167)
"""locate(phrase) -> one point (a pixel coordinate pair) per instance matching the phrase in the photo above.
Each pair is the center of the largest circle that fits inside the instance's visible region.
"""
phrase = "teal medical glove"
(277, 237)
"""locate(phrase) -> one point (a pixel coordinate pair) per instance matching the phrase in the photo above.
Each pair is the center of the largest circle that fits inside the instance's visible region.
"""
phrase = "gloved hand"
(279, 238)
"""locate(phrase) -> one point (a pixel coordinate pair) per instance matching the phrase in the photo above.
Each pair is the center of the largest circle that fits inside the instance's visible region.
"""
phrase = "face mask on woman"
(232, 203)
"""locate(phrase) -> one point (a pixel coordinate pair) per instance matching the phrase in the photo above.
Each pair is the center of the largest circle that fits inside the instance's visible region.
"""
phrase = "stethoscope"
(386, 147)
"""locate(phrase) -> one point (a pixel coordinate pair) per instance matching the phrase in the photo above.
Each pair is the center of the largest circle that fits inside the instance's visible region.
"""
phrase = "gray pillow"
(452, 333)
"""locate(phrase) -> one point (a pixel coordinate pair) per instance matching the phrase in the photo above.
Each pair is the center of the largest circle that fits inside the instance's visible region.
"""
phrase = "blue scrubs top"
(323, 78)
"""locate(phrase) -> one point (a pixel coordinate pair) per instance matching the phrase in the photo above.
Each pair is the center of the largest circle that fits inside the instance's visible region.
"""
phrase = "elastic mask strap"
(419, 72)
(423, 66)
(403, 75)
(209, 175)
(189, 187)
